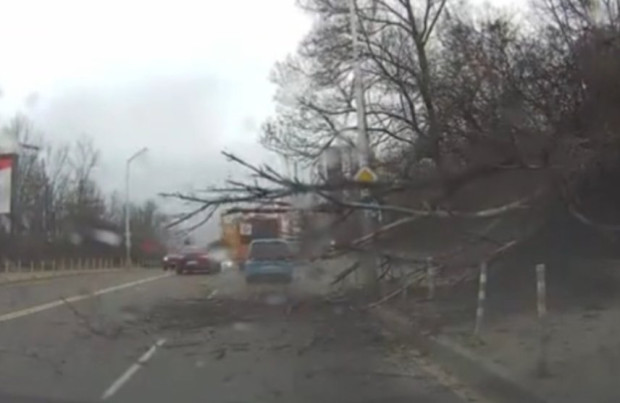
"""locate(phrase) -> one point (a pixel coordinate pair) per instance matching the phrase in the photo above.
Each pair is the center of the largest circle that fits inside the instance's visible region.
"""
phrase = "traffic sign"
(366, 175)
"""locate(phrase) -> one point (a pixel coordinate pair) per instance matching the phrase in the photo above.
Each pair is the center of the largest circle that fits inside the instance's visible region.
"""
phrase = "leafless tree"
(471, 119)
(57, 195)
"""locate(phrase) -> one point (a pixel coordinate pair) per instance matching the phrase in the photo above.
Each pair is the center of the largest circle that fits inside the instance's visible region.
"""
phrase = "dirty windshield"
(301, 201)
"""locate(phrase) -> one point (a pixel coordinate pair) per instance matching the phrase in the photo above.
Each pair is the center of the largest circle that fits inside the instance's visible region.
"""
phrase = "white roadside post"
(482, 295)
(430, 278)
(541, 305)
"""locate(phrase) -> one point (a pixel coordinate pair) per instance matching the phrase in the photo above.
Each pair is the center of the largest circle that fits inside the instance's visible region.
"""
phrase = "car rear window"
(269, 251)
(192, 251)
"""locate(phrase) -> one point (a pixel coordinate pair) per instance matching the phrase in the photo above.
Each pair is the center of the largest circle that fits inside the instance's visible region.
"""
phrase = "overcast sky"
(185, 78)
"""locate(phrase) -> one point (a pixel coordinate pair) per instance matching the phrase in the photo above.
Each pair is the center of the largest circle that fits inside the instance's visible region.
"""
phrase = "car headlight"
(165, 258)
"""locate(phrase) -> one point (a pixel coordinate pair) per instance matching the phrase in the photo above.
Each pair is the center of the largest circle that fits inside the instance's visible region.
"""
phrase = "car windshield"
(310, 201)
(272, 250)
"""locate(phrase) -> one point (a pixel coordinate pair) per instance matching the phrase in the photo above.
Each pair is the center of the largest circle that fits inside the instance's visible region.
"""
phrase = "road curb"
(489, 378)
(4, 281)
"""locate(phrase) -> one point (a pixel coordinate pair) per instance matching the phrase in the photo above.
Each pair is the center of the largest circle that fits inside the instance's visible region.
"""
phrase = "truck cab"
(240, 227)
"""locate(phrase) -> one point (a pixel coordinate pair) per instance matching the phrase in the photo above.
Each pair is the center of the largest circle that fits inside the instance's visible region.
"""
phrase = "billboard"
(6, 173)
(8, 143)
(332, 164)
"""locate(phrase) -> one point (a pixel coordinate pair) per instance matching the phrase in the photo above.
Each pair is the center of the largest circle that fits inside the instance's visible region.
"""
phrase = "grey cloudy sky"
(185, 78)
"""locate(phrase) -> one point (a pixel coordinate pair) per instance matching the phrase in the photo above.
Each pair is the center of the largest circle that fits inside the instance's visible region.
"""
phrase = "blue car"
(269, 260)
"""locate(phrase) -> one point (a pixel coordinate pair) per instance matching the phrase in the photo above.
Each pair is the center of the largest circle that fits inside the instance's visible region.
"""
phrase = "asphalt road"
(149, 338)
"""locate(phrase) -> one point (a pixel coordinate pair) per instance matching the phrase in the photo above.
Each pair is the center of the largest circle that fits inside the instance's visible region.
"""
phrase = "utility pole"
(367, 263)
(358, 83)
(127, 209)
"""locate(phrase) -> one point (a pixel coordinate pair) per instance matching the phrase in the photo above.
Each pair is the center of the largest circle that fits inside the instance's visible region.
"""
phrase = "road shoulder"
(488, 378)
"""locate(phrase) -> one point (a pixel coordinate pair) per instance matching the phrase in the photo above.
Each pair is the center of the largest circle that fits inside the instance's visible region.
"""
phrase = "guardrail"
(52, 265)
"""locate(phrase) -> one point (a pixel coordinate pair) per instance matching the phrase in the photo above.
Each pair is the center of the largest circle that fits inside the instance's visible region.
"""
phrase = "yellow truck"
(241, 226)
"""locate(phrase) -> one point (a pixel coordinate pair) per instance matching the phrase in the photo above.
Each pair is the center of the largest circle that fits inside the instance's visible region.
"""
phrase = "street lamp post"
(367, 263)
(127, 209)
(358, 83)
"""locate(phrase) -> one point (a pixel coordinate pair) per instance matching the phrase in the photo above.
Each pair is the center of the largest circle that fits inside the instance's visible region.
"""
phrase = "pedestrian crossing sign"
(366, 175)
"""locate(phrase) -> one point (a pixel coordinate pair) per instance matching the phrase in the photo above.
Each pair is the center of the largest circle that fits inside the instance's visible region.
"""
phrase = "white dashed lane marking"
(132, 370)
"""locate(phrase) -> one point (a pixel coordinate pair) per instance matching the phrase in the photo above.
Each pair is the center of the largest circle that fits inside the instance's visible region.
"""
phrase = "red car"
(194, 261)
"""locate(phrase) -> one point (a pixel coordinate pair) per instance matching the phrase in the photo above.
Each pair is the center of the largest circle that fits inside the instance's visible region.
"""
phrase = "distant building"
(331, 164)
(338, 163)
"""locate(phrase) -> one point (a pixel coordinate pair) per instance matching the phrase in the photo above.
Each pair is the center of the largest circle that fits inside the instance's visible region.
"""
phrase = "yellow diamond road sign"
(366, 175)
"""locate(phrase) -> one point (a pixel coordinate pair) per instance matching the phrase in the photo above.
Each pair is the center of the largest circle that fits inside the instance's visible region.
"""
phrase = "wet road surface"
(197, 338)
